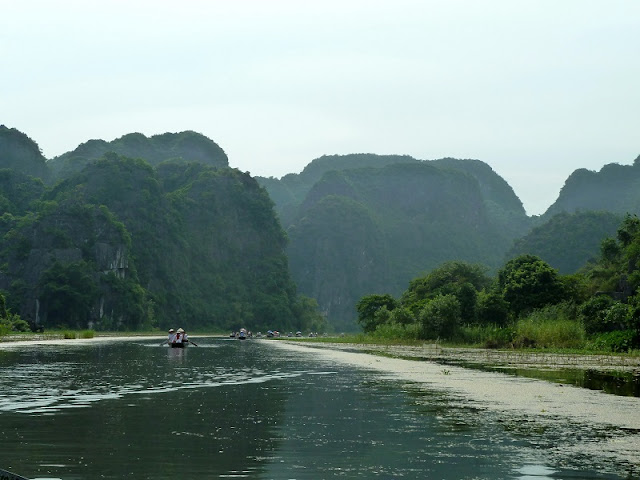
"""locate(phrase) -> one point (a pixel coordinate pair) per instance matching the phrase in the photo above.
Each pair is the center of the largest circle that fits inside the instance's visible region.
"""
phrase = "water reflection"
(243, 409)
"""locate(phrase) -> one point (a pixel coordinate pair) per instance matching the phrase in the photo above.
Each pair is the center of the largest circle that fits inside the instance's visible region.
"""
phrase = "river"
(243, 409)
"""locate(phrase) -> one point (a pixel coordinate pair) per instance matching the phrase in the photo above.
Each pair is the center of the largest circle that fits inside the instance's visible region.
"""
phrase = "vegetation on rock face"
(568, 240)
(21, 154)
(123, 245)
(615, 188)
(527, 304)
(371, 223)
(185, 146)
(145, 232)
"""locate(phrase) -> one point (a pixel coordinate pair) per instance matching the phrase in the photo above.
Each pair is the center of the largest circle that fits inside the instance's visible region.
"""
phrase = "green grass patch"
(87, 334)
(485, 336)
(69, 334)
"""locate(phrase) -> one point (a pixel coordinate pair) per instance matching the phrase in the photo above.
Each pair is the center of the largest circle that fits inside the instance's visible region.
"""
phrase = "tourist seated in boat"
(180, 340)
(172, 336)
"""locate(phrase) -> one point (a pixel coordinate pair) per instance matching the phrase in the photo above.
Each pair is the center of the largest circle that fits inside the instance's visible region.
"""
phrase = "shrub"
(440, 317)
(19, 325)
(617, 341)
(593, 312)
(492, 309)
(68, 334)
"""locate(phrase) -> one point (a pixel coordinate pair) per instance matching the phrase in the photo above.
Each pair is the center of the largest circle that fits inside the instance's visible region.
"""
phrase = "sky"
(534, 88)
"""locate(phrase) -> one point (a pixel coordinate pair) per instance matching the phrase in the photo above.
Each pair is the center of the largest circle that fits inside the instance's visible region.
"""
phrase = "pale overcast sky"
(534, 88)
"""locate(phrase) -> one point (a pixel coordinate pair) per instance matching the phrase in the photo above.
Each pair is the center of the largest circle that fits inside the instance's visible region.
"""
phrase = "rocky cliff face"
(65, 234)
(372, 230)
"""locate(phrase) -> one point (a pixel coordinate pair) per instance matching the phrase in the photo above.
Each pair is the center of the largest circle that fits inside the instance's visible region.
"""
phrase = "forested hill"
(187, 146)
(363, 230)
(568, 241)
(615, 188)
(21, 154)
(124, 244)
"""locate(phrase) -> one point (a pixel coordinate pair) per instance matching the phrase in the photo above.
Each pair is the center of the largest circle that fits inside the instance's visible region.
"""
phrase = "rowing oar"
(166, 341)
(191, 341)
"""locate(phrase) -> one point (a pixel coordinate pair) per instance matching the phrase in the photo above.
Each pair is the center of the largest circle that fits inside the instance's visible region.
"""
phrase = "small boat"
(243, 334)
(178, 345)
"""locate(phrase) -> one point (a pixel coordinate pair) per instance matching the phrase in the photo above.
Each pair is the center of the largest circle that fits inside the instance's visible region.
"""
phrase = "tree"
(368, 307)
(492, 309)
(440, 317)
(528, 282)
(460, 279)
(68, 293)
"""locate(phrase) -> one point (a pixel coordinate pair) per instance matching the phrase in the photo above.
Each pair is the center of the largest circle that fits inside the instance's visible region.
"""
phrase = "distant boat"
(243, 334)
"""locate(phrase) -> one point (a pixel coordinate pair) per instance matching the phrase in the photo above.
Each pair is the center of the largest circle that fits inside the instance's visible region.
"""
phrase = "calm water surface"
(230, 409)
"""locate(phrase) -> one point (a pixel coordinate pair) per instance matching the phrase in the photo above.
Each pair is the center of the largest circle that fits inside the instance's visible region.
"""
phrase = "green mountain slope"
(410, 217)
(568, 241)
(21, 154)
(615, 188)
(124, 244)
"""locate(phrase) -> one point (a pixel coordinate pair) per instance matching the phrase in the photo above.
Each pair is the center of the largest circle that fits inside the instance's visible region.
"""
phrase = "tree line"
(526, 304)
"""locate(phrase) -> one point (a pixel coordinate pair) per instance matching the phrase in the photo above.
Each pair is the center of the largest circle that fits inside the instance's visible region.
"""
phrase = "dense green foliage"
(567, 241)
(21, 154)
(121, 244)
(185, 146)
(615, 188)
(368, 223)
(527, 304)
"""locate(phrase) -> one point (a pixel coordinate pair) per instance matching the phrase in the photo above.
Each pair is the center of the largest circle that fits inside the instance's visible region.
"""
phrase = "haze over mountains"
(201, 242)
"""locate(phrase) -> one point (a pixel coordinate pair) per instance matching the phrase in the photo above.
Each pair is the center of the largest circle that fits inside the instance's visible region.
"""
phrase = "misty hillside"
(362, 230)
(21, 154)
(158, 229)
(186, 146)
(615, 188)
(568, 241)
(122, 244)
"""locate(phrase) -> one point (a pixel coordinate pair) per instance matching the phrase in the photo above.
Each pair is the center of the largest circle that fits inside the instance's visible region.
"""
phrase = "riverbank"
(522, 399)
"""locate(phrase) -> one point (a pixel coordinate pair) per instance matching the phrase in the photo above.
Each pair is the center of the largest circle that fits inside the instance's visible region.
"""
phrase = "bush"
(69, 334)
(440, 317)
(618, 341)
(593, 312)
(19, 325)
(492, 309)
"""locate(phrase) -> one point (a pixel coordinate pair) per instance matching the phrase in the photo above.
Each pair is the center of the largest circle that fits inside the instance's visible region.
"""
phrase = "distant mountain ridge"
(356, 224)
(615, 188)
(186, 146)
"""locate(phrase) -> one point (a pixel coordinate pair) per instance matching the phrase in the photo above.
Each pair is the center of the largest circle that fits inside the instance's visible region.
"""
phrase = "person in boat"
(179, 337)
(172, 336)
